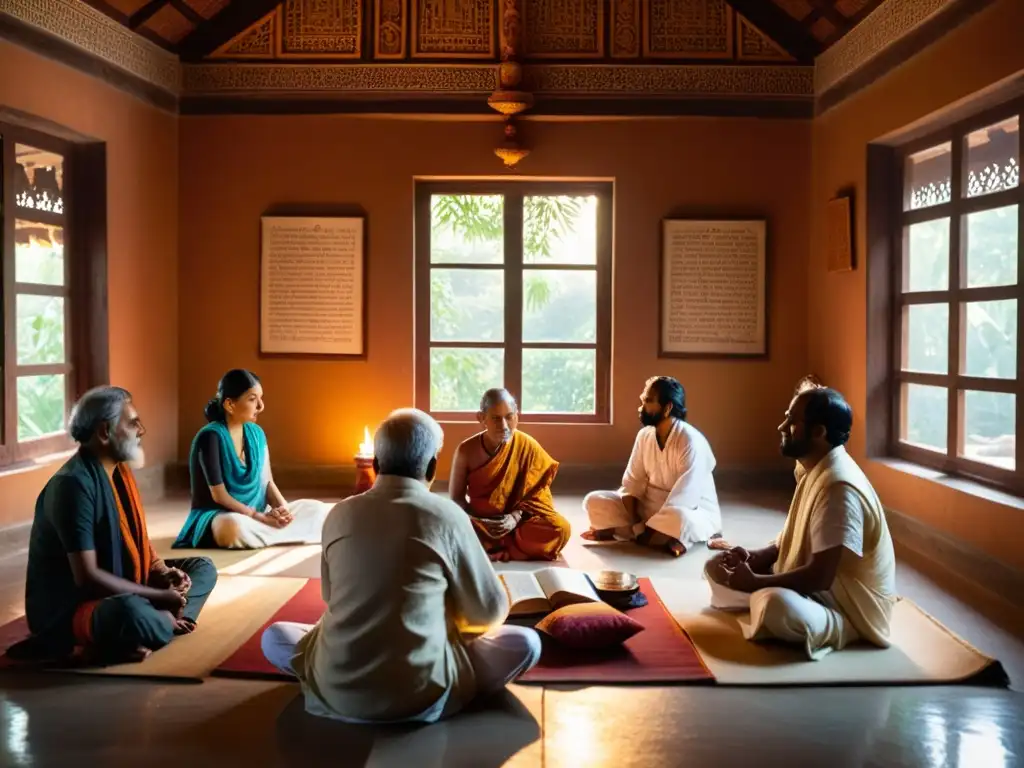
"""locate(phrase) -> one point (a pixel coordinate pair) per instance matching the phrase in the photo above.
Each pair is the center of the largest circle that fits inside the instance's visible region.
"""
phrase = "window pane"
(38, 180)
(559, 305)
(40, 330)
(927, 177)
(991, 339)
(560, 230)
(993, 158)
(926, 335)
(40, 406)
(467, 305)
(38, 253)
(992, 247)
(459, 377)
(559, 380)
(989, 433)
(467, 229)
(925, 417)
(926, 264)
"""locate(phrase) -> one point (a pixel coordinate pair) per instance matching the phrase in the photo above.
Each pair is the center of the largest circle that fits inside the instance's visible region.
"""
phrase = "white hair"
(98, 406)
(405, 442)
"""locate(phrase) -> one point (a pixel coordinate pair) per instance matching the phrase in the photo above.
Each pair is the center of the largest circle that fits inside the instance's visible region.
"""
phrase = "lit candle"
(365, 475)
(366, 447)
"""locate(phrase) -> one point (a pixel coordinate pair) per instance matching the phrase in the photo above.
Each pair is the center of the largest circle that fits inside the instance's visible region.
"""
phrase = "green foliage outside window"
(559, 306)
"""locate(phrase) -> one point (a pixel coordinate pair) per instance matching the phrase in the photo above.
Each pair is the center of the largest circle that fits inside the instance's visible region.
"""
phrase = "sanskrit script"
(713, 287)
(312, 286)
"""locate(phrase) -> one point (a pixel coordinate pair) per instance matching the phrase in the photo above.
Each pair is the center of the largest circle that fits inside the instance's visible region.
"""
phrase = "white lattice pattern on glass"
(40, 201)
(931, 194)
(992, 178)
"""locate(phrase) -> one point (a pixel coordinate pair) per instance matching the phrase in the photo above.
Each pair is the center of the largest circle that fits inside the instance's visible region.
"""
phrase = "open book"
(533, 592)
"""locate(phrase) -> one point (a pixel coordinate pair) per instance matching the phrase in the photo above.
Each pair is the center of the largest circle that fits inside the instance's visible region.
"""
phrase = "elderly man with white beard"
(94, 581)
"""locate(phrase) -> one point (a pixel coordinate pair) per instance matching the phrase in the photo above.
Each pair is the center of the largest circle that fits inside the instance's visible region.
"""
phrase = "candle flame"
(366, 447)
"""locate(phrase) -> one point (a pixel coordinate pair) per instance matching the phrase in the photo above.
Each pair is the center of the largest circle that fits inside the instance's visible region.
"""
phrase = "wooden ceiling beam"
(188, 12)
(828, 9)
(232, 21)
(121, 18)
(794, 38)
(145, 13)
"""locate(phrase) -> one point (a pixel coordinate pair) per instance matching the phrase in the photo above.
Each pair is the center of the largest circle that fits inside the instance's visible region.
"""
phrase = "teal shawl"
(245, 482)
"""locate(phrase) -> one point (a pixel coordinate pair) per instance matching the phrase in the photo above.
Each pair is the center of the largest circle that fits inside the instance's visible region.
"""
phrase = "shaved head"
(499, 415)
(497, 396)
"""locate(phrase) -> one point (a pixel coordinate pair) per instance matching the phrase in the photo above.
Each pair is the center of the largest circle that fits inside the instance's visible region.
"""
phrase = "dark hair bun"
(214, 410)
(232, 386)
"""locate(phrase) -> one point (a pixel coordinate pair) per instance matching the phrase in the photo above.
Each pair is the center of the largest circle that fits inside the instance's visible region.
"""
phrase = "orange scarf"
(135, 545)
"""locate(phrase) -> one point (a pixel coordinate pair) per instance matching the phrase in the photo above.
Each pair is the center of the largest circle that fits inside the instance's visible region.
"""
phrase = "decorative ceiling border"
(887, 24)
(565, 79)
(672, 80)
(83, 26)
(332, 78)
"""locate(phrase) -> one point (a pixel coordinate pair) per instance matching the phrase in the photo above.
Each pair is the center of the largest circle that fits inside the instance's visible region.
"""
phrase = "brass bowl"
(616, 582)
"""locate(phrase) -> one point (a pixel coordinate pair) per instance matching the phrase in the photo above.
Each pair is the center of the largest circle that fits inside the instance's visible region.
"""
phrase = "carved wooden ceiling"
(459, 30)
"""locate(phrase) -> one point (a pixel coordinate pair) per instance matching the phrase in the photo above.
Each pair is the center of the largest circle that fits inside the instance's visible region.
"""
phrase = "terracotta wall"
(233, 169)
(977, 54)
(142, 180)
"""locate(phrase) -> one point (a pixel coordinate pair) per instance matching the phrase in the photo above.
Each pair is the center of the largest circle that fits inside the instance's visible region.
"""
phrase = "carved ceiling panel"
(449, 29)
(467, 29)
(597, 30)
(563, 28)
(344, 49)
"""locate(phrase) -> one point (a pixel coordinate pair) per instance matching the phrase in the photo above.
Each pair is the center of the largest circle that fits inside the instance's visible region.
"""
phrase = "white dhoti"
(606, 510)
(232, 530)
(782, 614)
(673, 485)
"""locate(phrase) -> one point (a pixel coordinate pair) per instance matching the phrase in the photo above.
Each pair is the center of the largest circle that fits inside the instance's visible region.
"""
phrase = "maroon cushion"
(587, 626)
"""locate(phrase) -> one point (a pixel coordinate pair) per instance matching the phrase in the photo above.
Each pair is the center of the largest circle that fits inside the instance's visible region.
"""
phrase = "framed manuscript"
(312, 286)
(713, 288)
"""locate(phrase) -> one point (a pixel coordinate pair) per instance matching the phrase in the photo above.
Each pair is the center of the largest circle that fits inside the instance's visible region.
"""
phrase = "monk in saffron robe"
(502, 478)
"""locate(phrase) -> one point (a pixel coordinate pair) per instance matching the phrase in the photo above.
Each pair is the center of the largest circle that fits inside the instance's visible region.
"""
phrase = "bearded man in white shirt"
(668, 499)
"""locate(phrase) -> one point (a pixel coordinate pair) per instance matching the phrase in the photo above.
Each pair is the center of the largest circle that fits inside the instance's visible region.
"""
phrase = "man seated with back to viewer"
(93, 579)
(829, 577)
(502, 478)
(411, 599)
(668, 498)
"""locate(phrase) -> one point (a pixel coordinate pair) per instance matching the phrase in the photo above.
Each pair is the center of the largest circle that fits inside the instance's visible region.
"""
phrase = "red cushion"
(587, 626)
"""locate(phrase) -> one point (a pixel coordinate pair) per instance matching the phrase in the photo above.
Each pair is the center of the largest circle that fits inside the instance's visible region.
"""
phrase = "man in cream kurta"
(411, 597)
(668, 497)
(829, 577)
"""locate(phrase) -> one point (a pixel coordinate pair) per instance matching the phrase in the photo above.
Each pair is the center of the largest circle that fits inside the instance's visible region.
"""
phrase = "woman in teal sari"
(235, 502)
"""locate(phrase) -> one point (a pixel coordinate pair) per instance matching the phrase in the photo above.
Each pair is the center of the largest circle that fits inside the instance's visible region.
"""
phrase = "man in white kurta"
(412, 630)
(829, 578)
(668, 497)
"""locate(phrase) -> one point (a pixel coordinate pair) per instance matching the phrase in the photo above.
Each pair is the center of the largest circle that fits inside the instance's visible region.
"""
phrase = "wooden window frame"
(513, 193)
(950, 461)
(83, 221)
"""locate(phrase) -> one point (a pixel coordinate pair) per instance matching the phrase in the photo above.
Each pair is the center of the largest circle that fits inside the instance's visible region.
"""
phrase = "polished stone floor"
(58, 720)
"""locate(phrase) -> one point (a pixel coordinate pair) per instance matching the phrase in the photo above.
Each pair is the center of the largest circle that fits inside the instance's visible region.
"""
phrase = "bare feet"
(184, 627)
(657, 540)
(718, 542)
(594, 535)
